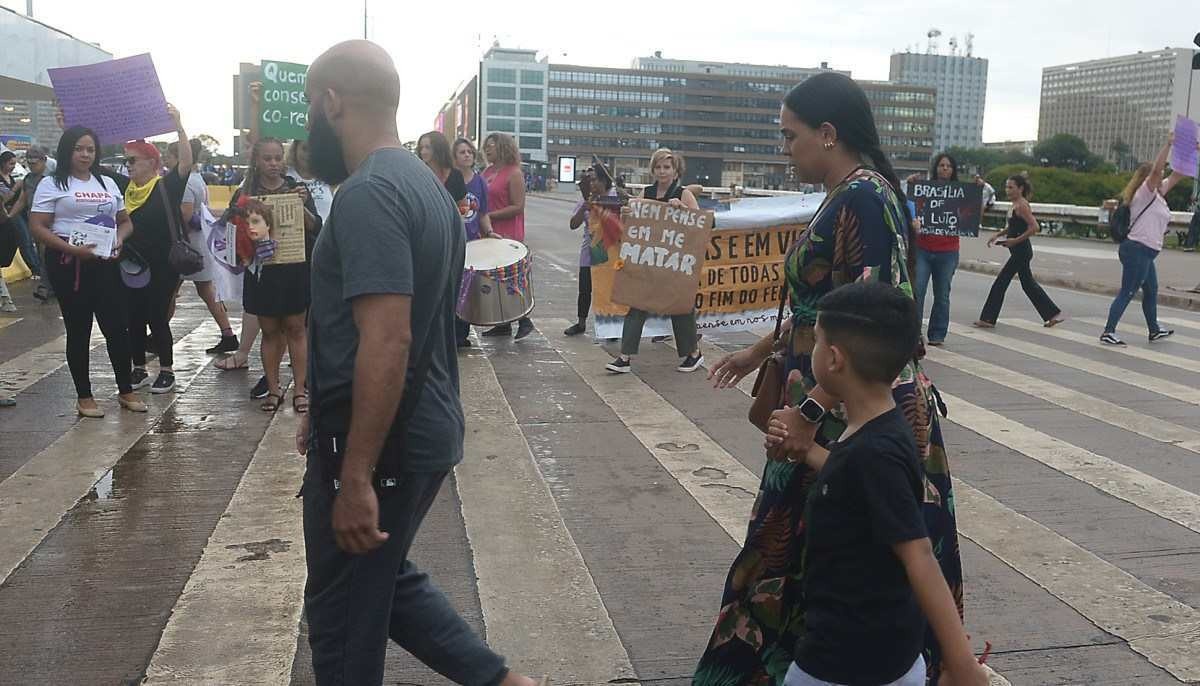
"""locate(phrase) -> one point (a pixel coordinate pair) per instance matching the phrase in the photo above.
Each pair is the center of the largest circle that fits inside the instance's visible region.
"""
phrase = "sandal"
(230, 363)
(300, 403)
(272, 402)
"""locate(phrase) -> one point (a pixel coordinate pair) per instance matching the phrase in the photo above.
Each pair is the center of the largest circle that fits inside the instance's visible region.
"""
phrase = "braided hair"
(250, 184)
(836, 99)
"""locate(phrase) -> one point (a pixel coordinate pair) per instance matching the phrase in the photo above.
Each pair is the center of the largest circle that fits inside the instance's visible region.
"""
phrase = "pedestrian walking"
(1150, 219)
(937, 260)
(12, 194)
(871, 579)
(506, 206)
(192, 208)
(35, 161)
(861, 232)
(596, 183)
(667, 168)
(386, 424)
(154, 210)
(87, 286)
(278, 294)
(1022, 225)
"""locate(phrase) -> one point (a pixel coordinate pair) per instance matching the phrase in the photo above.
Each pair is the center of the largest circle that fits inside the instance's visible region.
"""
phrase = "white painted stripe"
(35, 364)
(1120, 481)
(1170, 389)
(1081, 403)
(6, 322)
(661, 429)
(1058, 332)
(251, 575)
(653, 408)
(522, 548)
(34, 499)
(1131, 329)
(1180, 322)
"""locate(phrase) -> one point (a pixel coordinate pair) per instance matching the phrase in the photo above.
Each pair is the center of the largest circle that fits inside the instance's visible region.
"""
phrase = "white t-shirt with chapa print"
(95, 201)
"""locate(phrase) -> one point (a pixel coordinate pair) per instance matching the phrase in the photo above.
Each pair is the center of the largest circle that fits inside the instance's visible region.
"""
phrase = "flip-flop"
(224, 365)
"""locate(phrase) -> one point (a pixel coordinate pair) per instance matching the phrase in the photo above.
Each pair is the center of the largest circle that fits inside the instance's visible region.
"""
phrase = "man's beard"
(325, 151)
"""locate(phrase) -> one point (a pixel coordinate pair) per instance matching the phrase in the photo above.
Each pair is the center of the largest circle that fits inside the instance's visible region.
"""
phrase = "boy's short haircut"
(875, 324)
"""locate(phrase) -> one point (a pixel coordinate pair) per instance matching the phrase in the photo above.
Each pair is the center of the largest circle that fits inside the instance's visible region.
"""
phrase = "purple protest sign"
(121, 100)
(1185, 158)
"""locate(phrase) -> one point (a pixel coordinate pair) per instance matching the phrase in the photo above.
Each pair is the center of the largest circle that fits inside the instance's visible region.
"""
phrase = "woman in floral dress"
(861, 232)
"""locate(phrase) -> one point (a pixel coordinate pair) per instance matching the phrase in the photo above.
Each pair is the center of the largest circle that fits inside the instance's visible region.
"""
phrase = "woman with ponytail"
(862, 232)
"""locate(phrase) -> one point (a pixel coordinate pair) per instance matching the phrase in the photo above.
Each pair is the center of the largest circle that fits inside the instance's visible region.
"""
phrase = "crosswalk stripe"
(522, 547)
(1134, 329)
(1080, 403)
(6, 322)
(35, 364)
(1132, 351)
(1170, 389)
(1120, 481)
(251, 574)
(654, 422)
(34, 499)
(1180, 322)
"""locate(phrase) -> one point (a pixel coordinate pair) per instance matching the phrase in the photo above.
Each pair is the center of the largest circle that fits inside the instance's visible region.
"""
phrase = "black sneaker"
(260, 389)
(165, 383)
(619, 366)
(1161, 334)
(691, 363)
(576, 329)
(497, 331)
(524, 328)
(228, 344)
(1110, 339)
(138, 378)
(42, 292)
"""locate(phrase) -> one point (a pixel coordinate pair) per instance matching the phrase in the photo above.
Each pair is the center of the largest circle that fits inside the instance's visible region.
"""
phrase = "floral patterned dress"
(858, 235)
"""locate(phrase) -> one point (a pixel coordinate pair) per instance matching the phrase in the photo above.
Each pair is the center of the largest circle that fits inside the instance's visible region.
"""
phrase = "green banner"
(284, 106)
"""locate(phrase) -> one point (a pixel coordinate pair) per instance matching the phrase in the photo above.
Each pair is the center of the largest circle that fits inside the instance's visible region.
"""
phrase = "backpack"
(1119, 225)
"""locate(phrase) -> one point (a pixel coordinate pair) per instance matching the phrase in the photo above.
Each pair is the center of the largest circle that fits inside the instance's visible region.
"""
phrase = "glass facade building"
(961, 85)
(512, 99)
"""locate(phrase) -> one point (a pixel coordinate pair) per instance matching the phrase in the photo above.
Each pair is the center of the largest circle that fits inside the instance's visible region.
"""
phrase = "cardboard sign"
(284, 105)
(661, 257)
(947, 209)
(1185, 158)
(287, 228)
(120, 100)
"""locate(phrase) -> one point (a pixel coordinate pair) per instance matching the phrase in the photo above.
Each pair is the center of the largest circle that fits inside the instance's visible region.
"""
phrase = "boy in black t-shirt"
(870, 577)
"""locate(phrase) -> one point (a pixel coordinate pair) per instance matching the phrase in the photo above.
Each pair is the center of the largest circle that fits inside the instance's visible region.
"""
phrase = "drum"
(496, 286)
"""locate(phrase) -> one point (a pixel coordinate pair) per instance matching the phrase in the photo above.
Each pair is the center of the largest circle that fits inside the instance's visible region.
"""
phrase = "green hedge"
(1066, 187)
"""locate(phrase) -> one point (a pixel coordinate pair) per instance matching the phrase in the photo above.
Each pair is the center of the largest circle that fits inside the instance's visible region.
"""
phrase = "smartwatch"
(812, 411)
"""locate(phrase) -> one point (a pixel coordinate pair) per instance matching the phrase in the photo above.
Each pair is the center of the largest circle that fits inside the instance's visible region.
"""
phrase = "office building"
(512, 95)
(459, 118)
(961, 85)
(1122, 107)
(33, 47)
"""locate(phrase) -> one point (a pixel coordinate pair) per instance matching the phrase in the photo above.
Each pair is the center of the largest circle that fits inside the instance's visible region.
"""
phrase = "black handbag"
(8, 243)
(183, 258)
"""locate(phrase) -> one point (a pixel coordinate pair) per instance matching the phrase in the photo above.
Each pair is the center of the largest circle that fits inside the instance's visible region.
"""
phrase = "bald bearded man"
(386, 422)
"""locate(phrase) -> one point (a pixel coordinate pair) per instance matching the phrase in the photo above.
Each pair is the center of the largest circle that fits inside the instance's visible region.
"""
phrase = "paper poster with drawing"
(284, 223)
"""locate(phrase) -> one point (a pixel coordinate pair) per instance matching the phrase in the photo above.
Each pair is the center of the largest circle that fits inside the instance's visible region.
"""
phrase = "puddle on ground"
(710, 473)
(261, 550)
(673, 447)
(102, 489)
(731, 490)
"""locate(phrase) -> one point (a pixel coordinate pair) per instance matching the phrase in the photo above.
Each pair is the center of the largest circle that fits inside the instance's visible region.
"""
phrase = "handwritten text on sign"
(947, 209)
(120, 99)
(284, 105)
(660, 257)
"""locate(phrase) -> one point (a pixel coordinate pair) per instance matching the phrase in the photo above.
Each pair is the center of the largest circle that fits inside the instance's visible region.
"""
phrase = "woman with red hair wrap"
(151, 201)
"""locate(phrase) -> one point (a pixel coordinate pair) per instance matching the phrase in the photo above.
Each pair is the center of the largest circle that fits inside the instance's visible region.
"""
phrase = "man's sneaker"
(139, 378)
(1110, 339)
(260, 389)
(1161, 334)
(576, 329)
(691, 363)
(165, 383)
(619, 366)
(524, 328)
(8, 306)
(227, 344)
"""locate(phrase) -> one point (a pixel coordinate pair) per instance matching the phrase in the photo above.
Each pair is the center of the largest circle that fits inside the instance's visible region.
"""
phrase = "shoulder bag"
(183, 258)
(768, 385)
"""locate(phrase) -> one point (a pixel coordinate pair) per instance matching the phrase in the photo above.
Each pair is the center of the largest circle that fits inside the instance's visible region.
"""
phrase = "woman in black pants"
(76, 198)
(596, 183)
(154, 231)
(1021, 227)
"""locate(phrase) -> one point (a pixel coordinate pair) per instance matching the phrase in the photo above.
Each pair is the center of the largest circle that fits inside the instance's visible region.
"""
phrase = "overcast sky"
(437, 45)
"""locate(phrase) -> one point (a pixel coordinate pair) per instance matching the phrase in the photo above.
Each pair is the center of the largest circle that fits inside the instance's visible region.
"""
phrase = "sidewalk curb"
(1166, 297)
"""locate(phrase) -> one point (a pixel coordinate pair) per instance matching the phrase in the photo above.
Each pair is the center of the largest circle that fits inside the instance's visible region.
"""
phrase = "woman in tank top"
(1021, 227)
(506, 205)
(667, 168)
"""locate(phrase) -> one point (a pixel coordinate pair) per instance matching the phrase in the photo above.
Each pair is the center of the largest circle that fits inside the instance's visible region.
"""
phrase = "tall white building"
(961, 83)
(1130, 100)
(512, 95)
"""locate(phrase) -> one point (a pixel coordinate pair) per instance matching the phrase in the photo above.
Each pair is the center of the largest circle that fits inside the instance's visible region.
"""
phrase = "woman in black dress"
(278, 293)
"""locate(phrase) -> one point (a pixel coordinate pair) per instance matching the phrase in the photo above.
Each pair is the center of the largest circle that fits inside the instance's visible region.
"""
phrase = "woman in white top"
(74, 211)
(299, 170)
(1149, 218)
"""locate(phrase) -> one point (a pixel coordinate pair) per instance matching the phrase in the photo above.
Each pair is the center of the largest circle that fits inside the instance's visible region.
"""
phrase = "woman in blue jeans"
(1149, 218)
(937, 259)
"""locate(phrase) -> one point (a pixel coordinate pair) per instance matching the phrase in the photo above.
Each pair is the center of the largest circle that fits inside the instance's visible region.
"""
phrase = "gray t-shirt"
(393, 229)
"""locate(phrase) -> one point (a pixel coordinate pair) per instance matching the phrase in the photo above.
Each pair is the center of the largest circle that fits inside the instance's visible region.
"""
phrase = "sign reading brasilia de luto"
(284, 105)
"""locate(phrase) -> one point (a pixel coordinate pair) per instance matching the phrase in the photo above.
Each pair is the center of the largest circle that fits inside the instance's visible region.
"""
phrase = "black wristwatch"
(812, 411)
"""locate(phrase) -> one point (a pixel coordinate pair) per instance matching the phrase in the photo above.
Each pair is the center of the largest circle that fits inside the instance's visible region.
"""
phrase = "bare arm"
(1023, 211)
(933, 595)
(579, 217)
(1155, 179)
(21, 203)
(689, 199)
